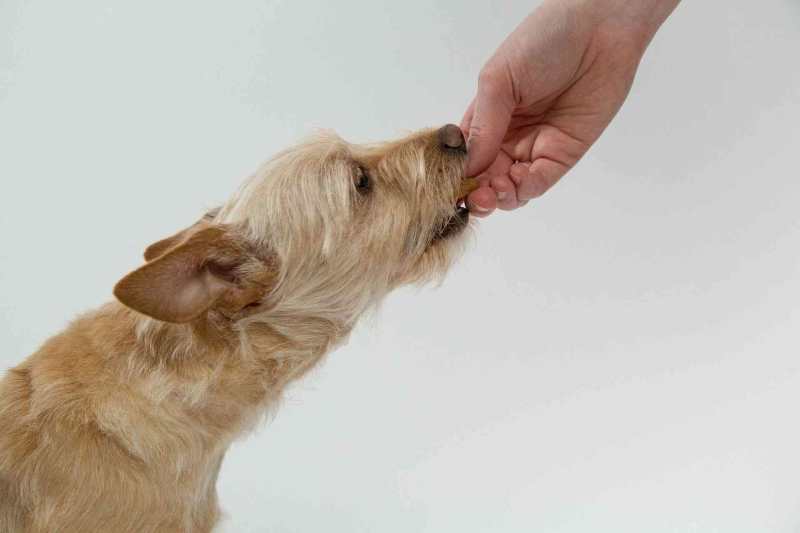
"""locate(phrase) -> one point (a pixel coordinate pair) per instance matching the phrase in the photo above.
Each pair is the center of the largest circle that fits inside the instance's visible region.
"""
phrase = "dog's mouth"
(459, 220)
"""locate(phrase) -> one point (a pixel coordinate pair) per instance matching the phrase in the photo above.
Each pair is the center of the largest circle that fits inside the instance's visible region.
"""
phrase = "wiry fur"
(120, 423)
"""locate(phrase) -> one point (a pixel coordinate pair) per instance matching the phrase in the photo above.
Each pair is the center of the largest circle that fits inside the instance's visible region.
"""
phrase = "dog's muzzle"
(451, 139)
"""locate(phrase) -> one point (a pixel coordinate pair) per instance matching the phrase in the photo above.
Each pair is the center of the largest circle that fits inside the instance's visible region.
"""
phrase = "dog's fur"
(120, 423)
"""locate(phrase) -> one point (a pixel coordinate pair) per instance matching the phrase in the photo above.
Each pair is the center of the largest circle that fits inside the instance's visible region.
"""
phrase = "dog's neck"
(213, 379)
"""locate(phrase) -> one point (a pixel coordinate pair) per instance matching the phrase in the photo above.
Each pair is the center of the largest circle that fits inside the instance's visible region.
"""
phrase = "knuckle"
(488, 74)
(475, 131)
(489, 80)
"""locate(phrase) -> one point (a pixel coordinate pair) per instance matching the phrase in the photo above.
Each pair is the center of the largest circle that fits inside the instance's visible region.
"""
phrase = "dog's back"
(13, 396)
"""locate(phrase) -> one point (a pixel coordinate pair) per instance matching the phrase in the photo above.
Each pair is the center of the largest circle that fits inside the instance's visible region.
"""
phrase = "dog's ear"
(201, 272)
(161, 247)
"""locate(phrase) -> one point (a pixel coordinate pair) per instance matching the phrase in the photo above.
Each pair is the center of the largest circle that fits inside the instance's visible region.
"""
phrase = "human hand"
(549, 91)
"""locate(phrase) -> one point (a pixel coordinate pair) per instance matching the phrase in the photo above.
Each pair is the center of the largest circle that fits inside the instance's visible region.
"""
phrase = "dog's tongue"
(467, 186)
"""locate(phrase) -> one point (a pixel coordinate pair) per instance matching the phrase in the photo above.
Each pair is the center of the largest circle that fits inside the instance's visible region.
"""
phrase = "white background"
(621, 355)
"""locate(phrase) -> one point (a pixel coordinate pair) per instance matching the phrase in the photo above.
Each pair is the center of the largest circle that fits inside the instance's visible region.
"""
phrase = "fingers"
(505, 191)
(487, 120)
(482, 201)
(523, 182)
(534, 179)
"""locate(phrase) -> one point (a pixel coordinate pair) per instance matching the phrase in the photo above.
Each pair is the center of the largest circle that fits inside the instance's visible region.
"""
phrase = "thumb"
(491, 115)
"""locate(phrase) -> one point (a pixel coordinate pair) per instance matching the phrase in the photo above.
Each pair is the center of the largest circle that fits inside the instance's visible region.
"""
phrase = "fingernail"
(479, 209)
(501, 195)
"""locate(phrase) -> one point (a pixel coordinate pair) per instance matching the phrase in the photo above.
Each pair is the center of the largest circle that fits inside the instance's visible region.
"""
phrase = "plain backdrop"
(619, 356)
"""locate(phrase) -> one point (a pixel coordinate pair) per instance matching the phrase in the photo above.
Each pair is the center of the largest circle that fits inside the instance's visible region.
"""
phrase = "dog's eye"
(363, 181)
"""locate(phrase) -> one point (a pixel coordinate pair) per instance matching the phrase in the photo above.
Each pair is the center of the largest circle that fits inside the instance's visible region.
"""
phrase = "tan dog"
(120, 423)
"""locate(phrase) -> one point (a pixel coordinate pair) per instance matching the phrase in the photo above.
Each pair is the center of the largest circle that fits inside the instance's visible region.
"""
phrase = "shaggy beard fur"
(120, 422)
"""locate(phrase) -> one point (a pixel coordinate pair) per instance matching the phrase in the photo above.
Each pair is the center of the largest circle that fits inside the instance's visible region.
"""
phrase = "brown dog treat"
(467, 186)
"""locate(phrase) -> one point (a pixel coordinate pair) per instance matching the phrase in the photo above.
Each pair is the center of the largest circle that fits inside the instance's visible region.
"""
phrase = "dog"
(120, 422)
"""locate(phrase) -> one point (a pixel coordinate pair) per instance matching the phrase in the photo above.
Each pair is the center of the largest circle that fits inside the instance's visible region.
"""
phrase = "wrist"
(637, 20)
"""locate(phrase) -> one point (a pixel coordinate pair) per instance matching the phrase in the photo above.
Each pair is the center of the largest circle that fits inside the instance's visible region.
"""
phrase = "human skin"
(549, 91)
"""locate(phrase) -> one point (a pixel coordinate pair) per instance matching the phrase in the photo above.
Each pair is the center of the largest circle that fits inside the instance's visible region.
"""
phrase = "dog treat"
(467, 186)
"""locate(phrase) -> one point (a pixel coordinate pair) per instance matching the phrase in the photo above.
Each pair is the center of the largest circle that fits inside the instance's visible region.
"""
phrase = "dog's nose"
(450, 137)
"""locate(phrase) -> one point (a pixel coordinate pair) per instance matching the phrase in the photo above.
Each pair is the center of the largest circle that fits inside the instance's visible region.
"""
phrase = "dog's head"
(323, 229)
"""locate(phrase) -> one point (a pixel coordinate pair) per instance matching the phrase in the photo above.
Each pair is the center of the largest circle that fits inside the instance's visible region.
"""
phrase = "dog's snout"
(451, 138)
